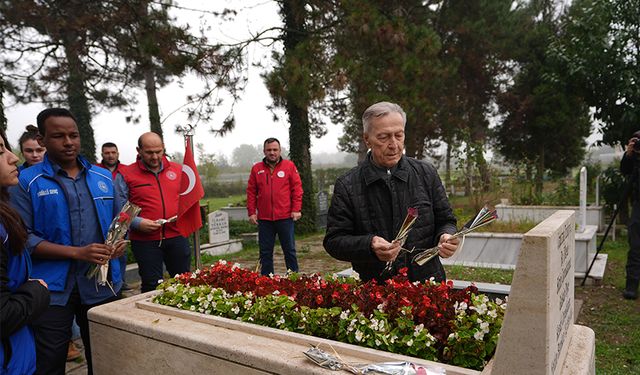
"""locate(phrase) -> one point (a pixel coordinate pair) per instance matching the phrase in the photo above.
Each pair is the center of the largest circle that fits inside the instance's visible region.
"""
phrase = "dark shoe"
(72, 353)
(631, 290)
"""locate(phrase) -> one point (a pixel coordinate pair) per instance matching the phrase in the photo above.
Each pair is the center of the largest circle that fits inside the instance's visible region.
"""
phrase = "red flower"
(122, 217)
(319, 300)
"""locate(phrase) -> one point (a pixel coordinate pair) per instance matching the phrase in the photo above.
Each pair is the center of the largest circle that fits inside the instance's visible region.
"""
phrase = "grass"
(616, 321)
(218, 203)
(485, 275)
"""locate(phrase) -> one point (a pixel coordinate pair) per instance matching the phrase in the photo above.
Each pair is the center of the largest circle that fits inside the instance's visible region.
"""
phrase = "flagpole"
(188, 137)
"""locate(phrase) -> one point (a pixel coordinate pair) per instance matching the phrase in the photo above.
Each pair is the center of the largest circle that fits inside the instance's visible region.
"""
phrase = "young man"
(275, 191)
(67, 205)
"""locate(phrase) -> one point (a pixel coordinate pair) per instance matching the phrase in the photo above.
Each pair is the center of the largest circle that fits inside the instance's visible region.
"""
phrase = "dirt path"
(312, 258)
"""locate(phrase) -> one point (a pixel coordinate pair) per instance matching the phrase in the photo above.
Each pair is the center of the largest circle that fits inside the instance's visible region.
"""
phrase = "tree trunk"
(297, 109)
(3, 118)
(152, 99)
(149, 74)
(447, 167)
(78, 103)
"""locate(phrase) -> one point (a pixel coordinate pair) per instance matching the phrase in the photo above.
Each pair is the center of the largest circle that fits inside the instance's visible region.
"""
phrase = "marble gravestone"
(538, 335)
(218, 227)
(219, 241)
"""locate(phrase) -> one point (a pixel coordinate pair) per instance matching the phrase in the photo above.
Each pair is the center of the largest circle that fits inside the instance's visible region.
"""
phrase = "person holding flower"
(370, 204)
(67, 205)
(22, 299)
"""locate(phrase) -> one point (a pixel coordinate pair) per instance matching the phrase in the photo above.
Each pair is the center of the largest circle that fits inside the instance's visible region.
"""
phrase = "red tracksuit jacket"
(274, 194)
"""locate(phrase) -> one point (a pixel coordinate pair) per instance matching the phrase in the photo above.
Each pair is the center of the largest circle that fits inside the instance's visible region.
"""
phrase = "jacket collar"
(264, 161)
(371, 175)
(49, 167)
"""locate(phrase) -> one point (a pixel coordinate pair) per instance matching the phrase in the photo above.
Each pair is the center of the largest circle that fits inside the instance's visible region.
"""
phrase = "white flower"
(193, 308)
(418, 329)
(482, 309)
(359, 335)
(410, 342)
(378, 343)
(276, 293)
(235, 309)
(222, 261)
(344, 315)
(484, 326)
(492, 313)
(478, 335)
(498, 301)
(452, 336)
(280, 321)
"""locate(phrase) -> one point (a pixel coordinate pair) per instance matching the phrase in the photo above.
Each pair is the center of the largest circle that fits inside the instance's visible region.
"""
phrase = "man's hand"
(385, 251)
(253, 219)
(147, 226)
(42, 282)
(296, 216)
(447, 245)
(119, 248)
(97, 253)
(629, 150)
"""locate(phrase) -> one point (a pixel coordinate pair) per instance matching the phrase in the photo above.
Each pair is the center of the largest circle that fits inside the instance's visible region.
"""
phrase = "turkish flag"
(191, 191)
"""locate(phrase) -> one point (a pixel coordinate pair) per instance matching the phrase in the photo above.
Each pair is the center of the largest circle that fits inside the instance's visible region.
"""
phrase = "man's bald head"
(148, 138)
(151, 150)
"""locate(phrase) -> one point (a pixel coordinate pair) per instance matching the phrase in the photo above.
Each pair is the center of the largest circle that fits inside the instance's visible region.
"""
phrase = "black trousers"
(633, 229)
(53, 333)
(174, 252)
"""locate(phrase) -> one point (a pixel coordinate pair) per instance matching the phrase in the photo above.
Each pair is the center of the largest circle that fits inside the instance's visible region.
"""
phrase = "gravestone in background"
(218, 227)
(322, 200)
(219, 241)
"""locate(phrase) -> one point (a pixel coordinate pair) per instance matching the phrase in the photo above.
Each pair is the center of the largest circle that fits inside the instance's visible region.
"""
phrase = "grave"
(538, 335)
(219, 241)
(136, 336)
(322, 200)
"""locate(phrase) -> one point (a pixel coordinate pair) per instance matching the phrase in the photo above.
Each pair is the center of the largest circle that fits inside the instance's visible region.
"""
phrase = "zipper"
(164, 213)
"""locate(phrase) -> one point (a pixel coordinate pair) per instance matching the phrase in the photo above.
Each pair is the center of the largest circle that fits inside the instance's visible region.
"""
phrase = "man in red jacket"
(153, 183)
(275, 190)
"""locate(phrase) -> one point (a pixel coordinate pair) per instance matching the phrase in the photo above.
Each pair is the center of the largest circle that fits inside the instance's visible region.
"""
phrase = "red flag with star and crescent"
(191, 191)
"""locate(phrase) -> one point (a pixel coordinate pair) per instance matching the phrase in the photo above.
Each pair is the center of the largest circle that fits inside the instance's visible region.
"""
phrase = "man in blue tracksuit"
(67, 205)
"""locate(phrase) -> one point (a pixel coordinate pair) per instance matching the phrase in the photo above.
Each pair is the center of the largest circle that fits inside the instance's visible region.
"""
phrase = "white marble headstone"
(218, 227)
(538, 323)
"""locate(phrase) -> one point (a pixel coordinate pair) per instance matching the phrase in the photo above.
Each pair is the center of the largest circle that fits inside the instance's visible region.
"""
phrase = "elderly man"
(370, 203)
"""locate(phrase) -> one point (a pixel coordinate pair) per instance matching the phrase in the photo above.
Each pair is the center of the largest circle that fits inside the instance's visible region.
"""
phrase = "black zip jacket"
(366, 203)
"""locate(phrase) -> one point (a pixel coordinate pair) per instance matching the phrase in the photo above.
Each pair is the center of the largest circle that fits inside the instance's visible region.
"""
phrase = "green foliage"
(612, 185)
(599, 52)
(545, 122)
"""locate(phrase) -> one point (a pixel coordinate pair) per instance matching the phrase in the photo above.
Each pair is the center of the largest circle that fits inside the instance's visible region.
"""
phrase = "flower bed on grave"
(426, 320)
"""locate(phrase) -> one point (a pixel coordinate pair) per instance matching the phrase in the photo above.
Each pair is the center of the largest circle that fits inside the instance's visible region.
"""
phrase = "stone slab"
(227, 247)
(536, 214)
(136, 336)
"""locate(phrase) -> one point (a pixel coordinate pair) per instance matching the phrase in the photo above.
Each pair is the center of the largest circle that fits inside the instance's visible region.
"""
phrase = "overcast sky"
(254, 122)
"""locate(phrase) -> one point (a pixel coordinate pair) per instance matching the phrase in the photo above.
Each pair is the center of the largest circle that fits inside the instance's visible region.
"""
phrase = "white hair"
(381, 109)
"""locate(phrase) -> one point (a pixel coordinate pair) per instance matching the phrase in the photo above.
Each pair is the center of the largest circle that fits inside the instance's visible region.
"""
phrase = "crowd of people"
(56, 209)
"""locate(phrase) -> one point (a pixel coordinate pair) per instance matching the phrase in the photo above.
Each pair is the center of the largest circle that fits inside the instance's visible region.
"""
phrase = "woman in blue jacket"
(22, 299)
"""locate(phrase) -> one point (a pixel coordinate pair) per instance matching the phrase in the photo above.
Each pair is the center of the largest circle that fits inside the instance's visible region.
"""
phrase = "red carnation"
(123, 217)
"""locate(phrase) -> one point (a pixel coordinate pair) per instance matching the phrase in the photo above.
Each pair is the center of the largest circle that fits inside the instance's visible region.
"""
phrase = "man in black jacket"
(370, 203)
(630, 166)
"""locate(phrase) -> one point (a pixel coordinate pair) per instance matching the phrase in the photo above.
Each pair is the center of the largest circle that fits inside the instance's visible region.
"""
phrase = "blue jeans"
(175, 252)
(267, 231)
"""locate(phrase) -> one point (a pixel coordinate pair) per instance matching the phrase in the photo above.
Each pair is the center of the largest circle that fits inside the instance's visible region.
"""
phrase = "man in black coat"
(370, 203)
(630, 167)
